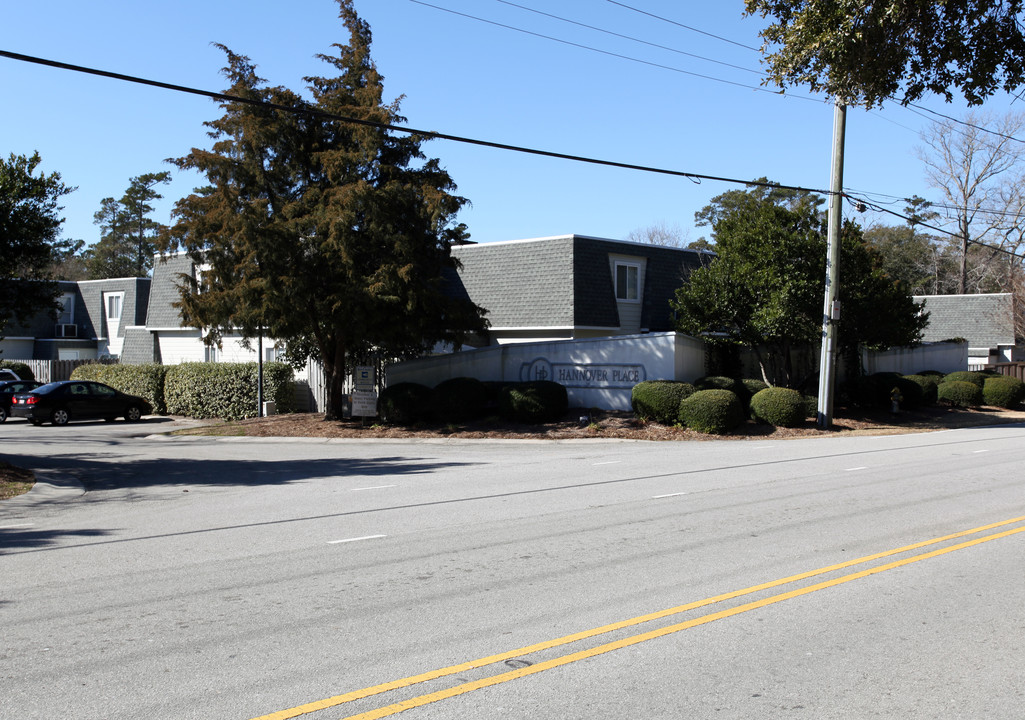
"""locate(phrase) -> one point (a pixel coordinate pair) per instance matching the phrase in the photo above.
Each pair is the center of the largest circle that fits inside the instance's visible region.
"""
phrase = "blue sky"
(462, 77)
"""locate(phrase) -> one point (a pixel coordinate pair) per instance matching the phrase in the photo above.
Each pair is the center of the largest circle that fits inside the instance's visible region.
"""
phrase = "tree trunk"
(334, 374)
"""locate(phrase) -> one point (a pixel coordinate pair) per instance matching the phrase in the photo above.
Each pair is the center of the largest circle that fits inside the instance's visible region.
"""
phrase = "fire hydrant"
(895, 398)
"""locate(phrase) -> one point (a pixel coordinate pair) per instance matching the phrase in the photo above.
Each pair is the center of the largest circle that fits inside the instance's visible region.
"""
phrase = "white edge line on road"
(659, 497)
(356, 539)
(375, 487)
(610, 462)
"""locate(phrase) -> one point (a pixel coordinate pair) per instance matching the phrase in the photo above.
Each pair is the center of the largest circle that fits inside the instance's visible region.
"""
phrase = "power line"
(631, 38)
(620, 56)
(430, 134)
(686, 27)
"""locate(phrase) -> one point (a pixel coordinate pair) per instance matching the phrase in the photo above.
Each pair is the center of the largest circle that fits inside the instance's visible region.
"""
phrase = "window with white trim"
(210, 353)
(114, 304)
(67, 306)
(628, 277)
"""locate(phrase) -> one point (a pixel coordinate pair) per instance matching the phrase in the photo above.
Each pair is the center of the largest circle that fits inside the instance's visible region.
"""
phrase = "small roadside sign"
(364, 379)
(364, 404)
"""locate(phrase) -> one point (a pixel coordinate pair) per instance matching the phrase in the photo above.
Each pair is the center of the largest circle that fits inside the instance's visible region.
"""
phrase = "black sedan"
(67, 400)
(7, 390)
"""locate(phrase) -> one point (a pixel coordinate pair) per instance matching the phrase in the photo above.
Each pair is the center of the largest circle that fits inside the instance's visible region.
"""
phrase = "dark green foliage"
(873, 51)
(20, 369)
(406, 403)
(976, 378)
(146, 381)
(752, 386)
(720, 382)
(461, 398)
(29, 246)
(811, 406)
(712, 411)
(659, 400)
(763, 290)
(930, 373)
(330, 236)
(533, 402)
(781, 407)
(126, 244)
(959, 393)
(226, 390)
(877, 390)
(928, 384)
(1003, 391)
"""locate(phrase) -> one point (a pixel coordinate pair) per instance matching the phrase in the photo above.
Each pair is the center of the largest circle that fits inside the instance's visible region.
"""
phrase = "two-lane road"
(239, 578)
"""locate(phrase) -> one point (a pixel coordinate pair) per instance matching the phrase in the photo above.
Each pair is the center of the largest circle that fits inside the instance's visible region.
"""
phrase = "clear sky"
(576, 90)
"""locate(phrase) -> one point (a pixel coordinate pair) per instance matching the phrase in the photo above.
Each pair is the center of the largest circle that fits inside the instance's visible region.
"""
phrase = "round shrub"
(1003, 391)
(753, 386)
(533, 402)
(659, 400)
(976, 378)
(959, 393)
(811, 406)
(714, 411)
(405, 403)
(18, 368)
(781, 407)
(876, 390)
(928, 384)
(460, 398)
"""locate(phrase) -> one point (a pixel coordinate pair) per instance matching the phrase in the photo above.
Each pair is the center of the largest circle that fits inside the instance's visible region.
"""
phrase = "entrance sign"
(584, 375)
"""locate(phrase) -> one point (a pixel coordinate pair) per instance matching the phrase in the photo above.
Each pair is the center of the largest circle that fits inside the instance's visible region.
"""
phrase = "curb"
(49, 487)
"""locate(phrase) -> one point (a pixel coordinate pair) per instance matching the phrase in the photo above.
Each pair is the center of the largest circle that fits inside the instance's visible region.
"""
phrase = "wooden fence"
(1015, 369)
(52, 370)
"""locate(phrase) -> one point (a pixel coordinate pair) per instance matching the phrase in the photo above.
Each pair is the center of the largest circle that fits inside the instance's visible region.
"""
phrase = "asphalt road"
(245, 578)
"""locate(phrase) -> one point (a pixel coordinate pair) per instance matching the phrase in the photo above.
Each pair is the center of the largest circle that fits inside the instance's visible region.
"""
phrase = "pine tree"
(333, 236)
(126, 244)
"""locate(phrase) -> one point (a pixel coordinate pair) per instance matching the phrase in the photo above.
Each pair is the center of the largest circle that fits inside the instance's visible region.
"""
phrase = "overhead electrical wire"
(687, 27)
(631, 38)
(430, 134)
(609, 53)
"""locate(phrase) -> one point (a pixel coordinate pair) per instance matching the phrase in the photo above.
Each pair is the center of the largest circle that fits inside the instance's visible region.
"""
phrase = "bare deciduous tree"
(660, 233)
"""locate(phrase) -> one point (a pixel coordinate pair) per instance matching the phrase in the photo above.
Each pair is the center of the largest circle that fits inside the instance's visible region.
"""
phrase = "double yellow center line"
(426, 699)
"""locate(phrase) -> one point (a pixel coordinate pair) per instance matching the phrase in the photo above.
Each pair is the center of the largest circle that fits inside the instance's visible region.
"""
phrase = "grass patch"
(14, 480)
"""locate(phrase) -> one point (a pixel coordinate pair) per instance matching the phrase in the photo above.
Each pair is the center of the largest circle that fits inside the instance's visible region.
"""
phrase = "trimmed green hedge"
(226, 390)
(19, 368)
(460, 398)
(533, 402)
(753, 386)
(928, 384)
(146, 381)
(781, 407)
(959, 393)
(1003, 391)
(976, 378)
(406, 403)
(659, 400)
(713, 411)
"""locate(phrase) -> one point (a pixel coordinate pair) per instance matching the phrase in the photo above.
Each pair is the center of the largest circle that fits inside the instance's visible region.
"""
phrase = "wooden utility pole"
(831, 308)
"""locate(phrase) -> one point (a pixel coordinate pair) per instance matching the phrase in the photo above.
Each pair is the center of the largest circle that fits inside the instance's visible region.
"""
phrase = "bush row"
(960, 389)
(199, 390)
(460, 399)
(20, 369)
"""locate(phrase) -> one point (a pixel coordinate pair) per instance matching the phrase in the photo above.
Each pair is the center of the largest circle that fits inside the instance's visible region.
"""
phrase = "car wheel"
(133, 413)
(3, 414)
(60, 416)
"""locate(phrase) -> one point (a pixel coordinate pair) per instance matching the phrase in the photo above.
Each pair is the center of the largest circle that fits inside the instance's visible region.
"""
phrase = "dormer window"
(628, 281)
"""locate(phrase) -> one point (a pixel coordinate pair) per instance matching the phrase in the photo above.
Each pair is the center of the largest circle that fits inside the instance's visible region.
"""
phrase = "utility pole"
(831, 308)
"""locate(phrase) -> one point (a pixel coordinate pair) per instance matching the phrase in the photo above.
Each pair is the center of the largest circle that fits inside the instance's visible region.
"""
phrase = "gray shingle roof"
(985, 321)
(164, 291)
(567, 281)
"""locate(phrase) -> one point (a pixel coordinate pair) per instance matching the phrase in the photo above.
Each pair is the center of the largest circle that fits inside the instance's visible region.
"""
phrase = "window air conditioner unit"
(65, 331)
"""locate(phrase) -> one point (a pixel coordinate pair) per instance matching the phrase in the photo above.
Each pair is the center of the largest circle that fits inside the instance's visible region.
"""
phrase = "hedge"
(781, 407)
(659, 400)
(959, 393)
(460, 398)
(928, 384)
(406, 403)
(226, 390)
(1003, 391)
(146, 381)
(19, 368)
(714, 411)
(976, 378)
(533, 402)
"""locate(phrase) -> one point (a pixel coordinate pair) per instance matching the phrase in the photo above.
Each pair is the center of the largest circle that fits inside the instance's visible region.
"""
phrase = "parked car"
(7, 390)
(59, 402)
(8, 374)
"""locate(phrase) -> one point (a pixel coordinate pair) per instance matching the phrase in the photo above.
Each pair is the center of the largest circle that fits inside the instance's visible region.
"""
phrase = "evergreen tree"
(333, 236)
(763, 290)
(128, 234)
(29, 238)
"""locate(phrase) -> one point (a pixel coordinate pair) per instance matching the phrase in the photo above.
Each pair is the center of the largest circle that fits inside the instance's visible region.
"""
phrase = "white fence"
(52, 370)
